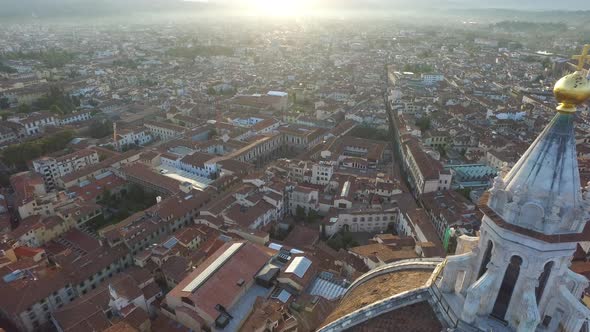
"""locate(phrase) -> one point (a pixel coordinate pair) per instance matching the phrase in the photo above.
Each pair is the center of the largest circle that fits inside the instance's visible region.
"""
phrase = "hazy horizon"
(42, 8)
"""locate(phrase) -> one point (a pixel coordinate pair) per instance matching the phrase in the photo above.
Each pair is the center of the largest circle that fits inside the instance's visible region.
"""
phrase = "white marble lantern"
(517, 276)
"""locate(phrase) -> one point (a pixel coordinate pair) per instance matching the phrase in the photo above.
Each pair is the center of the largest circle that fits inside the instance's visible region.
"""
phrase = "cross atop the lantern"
(573, 89)
(582, 57)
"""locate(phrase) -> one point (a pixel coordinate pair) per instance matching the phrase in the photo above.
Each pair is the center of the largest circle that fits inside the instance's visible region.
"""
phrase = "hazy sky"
(511, 4)
(11, 8)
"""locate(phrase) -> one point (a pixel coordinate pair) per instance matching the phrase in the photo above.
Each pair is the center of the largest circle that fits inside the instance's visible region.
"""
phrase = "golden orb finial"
(573, 89)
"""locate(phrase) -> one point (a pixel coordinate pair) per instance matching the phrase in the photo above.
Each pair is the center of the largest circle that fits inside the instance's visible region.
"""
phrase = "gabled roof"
(221, 286)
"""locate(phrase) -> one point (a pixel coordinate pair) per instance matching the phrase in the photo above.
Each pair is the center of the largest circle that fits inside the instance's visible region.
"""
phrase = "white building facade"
(517, 271)
(53, 168)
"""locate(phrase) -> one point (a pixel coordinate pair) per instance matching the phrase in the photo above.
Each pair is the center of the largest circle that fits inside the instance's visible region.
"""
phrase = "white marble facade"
(520, 275)
(558, 304)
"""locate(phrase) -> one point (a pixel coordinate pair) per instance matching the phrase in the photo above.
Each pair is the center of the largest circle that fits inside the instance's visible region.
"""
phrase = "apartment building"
(132, 136)
(52, 168)
(80, 265)
(165, 131)
(426, 174)
(74, 118)
(303, 197)
(36, 123)
(361, 220)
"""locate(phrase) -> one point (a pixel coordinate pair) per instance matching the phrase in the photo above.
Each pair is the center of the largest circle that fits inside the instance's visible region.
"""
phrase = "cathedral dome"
(394, 292)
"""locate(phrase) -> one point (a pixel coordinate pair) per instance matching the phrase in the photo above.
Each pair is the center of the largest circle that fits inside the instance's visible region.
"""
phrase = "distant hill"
(529, 5)
(52, 8)
(565, 5)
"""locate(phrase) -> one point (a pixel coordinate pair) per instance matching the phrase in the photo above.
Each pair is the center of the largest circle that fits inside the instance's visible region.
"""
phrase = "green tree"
(100, 129)
(6, 69)
(56, 110)
(368, 132)
(300, 213)
(19, 154)
(425, 54)
(121, 215)
(442, 150)
(57, 101)
(138, 199)
(418, 68)
(23, 108)
(423, 123)
(107, 197)
(335, 243)
(347, 239)
(4, 103)
(53, 58)
(464, 192)
(312, 217)
(127, 63)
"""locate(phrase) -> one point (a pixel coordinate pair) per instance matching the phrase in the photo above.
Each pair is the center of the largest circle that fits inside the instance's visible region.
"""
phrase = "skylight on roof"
(299, 266)
(217, 263)
(170, 243)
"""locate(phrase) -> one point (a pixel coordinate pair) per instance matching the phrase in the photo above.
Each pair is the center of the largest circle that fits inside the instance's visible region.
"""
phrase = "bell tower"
(517, 275)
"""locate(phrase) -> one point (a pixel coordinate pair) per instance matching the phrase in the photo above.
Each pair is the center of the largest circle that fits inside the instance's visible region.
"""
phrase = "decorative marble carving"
(529, 310)
(512, 209)
(504, 170)
(498, 197)
(575, 312)
(531, 215)
(455, 264)
(552, 221)
(476, 301)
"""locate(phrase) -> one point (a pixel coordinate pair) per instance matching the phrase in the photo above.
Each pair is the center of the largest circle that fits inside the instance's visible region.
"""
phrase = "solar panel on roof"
(217, 263)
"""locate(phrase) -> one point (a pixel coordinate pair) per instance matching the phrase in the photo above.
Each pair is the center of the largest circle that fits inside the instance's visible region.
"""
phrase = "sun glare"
(279, 7)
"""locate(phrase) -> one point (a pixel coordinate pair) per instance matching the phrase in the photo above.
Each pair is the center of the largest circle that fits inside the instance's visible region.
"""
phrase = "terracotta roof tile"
(418, 317)
(221, 287)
